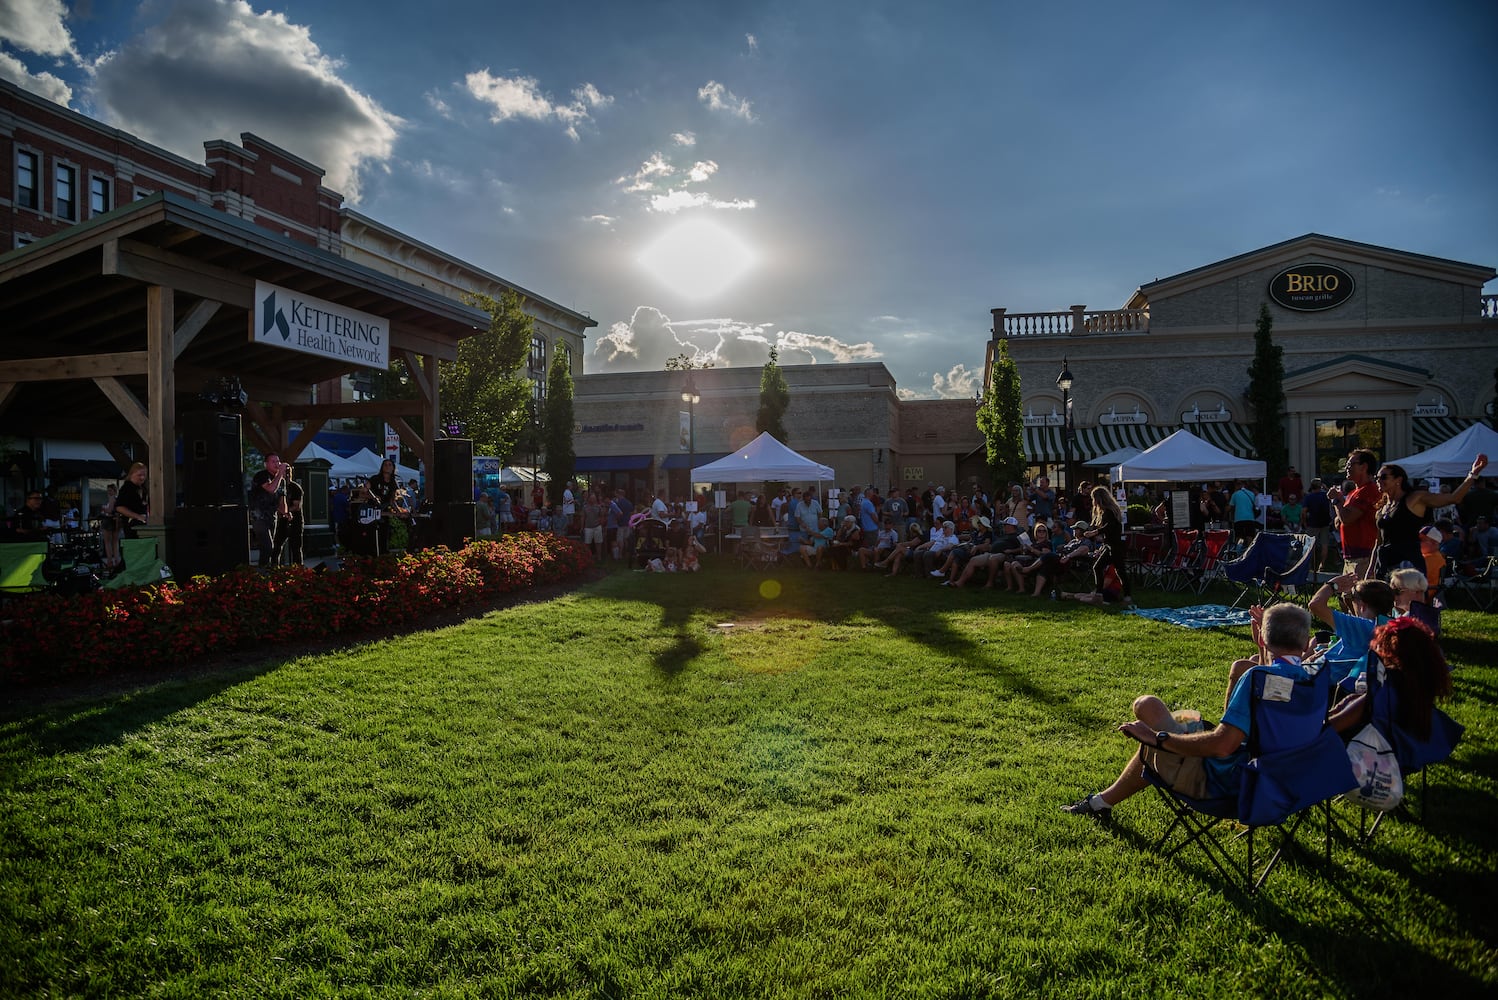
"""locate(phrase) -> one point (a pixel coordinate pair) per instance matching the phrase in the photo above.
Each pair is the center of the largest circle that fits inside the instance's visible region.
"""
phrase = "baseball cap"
(1012, 520)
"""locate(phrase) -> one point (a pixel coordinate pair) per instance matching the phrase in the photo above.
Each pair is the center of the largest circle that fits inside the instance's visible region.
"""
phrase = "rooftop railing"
(1490, 307)
(1075, 322)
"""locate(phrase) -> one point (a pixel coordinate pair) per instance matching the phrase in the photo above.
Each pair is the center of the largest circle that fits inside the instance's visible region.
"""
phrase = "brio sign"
(1311, 287)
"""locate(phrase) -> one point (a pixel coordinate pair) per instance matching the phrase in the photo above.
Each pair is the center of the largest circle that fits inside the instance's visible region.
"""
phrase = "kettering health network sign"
(298, 322)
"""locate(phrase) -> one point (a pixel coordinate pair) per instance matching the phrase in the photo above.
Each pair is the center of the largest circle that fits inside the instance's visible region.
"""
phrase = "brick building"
(1383, 349)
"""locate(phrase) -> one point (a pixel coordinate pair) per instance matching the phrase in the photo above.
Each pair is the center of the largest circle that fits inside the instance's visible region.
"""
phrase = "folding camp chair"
(1478, 583)
(1295, 764)
(1266, 557)
(1146, 552)
(1413, 753)
(1291, 581)
(1184, 554)
(1213, 544)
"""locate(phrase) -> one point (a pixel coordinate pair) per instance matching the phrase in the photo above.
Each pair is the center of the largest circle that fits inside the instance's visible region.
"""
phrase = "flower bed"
(47, 636)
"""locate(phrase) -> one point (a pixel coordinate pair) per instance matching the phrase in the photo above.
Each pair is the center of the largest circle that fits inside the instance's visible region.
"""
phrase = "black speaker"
(452, 524)
(212, 458)
(209, 541)
(452, 478)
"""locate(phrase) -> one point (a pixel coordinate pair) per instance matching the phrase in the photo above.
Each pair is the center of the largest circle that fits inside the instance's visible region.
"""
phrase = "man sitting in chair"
(1204, 765)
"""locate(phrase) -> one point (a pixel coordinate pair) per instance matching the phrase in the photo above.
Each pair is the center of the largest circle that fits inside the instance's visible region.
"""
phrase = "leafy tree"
(556, 436)
(774, 400)
(684, 362)
(484, 387)
(1266, 397)
(1001, 420)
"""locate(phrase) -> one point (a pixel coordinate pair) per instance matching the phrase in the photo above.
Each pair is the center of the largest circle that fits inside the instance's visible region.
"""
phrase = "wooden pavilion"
(108, 328)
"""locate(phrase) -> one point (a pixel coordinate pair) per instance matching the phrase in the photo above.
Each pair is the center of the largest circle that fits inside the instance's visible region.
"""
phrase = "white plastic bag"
(1380, 786)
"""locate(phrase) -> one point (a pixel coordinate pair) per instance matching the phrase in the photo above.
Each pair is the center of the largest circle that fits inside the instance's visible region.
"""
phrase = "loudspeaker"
(212, 458)
(452, 477)
(209, 541)
(452, 524)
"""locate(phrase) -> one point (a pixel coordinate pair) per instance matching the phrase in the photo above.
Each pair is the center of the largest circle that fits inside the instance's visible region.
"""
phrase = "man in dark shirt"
(1316, 515)
(267, 502)
(291, 526)
(30, 519)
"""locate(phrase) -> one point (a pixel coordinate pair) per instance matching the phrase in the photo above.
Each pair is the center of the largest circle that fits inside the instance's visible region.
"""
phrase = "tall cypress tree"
(1266, 397)
(774, 399)
(557, 423)
(1002, 421)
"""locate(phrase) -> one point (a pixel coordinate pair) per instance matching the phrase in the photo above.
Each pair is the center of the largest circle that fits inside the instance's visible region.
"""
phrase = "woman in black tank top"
(1404, 510)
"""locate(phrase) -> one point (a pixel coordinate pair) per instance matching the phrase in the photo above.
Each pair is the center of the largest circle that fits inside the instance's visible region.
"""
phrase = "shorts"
(1187, 775)
(593, 535)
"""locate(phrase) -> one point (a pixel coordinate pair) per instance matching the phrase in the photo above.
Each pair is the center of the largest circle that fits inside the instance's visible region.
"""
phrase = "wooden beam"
(377, 408)
(268, 433)
(124, 400)
(118, 453)
(258, 439)
(78, 366)
(303, 438)
(419, 375)
(131, 259)
(192, 324)
(161, 396)
(8, 392)
(433, 415)
(408, 434)
(404, 338)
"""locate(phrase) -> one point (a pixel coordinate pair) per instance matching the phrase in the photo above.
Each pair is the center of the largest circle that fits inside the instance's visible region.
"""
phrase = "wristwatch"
(1161, 737)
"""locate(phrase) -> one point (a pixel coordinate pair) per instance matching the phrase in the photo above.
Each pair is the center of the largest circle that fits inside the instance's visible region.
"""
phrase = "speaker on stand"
(212, 458)
(452, 472)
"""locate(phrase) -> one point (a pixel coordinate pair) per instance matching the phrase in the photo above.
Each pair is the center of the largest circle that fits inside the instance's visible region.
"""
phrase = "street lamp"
(1063, 381)
(691, 397)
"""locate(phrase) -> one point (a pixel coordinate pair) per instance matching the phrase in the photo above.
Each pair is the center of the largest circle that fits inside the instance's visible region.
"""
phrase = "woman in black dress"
(1404, 510)
(383, 491)
(131, 503)
(1108, 520)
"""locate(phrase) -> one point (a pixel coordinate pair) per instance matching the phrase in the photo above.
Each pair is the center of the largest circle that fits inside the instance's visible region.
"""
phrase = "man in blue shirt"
(1205, 764)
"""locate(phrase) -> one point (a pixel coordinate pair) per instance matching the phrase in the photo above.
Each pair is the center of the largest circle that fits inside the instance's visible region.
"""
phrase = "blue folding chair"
(1260, 568)
(1413, 753)
(1295, 763)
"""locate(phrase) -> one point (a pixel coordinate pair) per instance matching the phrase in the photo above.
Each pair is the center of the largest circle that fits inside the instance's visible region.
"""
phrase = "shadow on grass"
(88, 722)
(931, 630)
(1365, 957)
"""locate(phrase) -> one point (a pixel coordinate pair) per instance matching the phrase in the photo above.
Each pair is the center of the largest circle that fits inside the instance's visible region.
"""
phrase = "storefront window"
(1335, 438)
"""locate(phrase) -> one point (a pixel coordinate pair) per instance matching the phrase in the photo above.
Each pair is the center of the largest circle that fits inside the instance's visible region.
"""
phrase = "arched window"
(538, 353)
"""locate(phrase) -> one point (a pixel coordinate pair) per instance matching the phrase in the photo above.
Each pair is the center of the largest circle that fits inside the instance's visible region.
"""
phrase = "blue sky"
(893, 170)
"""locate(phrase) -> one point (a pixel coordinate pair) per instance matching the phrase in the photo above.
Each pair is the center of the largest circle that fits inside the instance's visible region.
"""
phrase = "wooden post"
(161, 395)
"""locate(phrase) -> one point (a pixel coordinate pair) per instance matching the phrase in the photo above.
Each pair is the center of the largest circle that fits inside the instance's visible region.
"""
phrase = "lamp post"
(1064, 381)
(691, 397)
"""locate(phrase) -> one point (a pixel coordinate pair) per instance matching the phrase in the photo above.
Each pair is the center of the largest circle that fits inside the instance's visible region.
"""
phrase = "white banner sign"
(297, 322)
(392, 444)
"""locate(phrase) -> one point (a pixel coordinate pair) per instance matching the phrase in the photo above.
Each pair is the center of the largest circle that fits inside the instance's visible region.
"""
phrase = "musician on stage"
(267, 505)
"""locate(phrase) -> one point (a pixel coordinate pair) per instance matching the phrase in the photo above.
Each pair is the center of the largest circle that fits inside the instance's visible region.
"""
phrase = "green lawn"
(850, 790)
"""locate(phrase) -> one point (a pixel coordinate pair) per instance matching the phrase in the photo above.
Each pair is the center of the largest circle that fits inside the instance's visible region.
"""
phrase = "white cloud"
(650, 338)
(214, 68)
(684, 138)
(43, 84)
(719, 98)
(438, 105)
(753, 43)
(37, 26)
(521, 97)
(674, 201)
(701, 171)
(905, 395)
(958, 383)
(606, 221)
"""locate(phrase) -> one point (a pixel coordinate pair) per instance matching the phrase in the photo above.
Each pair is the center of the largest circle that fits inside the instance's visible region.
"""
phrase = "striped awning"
(1427, 432)
(1093, 442)
(1043, 445)
(1234, 438)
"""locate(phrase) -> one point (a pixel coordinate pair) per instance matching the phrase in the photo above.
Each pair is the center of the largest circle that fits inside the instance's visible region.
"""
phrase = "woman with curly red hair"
(1415, 668)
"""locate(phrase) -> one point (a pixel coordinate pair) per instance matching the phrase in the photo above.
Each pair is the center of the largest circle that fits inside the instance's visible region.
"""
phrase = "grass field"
(724, 785)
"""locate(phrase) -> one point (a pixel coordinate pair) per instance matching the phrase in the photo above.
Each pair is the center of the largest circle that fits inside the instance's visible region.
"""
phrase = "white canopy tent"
(1183, 457)
(763, 459)
(366, 463)
(1452, 457)
(1115, 457)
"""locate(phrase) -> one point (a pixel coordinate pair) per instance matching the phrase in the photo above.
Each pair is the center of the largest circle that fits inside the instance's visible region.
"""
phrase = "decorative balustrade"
(1075, 322)
(1490, 307)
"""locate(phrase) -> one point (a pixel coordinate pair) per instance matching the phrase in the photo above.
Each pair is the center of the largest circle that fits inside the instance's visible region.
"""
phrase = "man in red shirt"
(1355, 511)
(1291, 485)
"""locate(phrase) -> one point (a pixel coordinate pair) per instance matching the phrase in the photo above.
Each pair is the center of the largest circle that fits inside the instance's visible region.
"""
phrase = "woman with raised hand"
(1403, 510)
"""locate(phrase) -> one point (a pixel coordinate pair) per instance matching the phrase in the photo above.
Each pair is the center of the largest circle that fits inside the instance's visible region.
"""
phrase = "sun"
(697, 259)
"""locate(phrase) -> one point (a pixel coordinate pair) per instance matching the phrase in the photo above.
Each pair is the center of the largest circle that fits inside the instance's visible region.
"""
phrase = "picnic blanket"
(1201, 616)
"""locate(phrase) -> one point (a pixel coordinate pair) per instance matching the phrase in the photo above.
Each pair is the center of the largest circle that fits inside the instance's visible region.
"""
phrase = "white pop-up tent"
(763, 459)
(1453, 457)
(1115, 457)
(1183, 457)
(365, 463)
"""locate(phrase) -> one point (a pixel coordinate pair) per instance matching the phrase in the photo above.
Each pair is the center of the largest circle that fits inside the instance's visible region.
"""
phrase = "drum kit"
(75, 559)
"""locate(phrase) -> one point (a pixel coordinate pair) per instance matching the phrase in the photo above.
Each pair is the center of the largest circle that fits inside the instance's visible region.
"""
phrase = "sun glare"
(697, 259)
